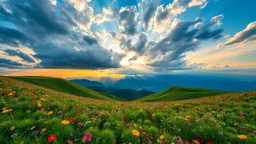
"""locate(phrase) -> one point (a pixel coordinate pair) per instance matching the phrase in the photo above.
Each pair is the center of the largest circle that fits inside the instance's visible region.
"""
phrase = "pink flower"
(179, 141)
(69, 142)
(88, 136)
(80, 124)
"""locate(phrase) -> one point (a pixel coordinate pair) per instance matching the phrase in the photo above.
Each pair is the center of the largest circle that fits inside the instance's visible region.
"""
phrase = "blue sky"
(117, 38)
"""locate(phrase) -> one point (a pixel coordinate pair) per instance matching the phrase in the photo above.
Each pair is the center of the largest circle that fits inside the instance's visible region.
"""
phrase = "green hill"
(65, 86)
(180, 93)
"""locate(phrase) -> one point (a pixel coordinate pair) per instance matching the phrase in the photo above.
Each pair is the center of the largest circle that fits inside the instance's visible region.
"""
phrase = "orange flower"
(65, 122)
(161, 137)
(235, 124)
(39, 105)
(135, 132)
(242, 137)
(50, 112)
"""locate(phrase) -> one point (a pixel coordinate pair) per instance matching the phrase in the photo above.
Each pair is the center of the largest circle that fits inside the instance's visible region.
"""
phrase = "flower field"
(32, 114)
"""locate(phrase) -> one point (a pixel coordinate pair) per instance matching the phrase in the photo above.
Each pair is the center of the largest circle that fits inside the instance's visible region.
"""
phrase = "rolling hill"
(87, 83)
(180, 93)
(65, 86)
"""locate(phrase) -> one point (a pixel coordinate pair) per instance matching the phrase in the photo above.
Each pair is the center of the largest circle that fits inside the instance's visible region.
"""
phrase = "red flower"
(74, 120)
(209, 142)
(186, 142)
(51, 138)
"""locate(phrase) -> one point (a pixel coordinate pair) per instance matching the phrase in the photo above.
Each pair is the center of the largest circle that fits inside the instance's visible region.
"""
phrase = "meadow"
(31, 114)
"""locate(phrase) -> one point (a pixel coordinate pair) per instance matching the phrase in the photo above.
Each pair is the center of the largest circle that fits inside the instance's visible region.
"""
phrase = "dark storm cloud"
(90, 40)
(127, 20)
(169, 52)
(52, 56)
(10, 64)
(20, 54)
(12, 37)
(36, 17)
(52, 36)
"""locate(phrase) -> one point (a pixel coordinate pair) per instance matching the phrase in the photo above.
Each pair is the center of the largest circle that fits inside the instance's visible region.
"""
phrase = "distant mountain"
(158, 83)
(128, 94)
(180, 93)
(87, 83)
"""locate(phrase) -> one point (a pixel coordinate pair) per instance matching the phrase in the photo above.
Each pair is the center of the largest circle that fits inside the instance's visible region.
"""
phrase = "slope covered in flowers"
(32, 114)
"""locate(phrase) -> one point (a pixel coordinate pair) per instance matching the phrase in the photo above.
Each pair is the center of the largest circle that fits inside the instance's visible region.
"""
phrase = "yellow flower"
(50, 112)
(188, 117)
(28, 111)
(153, 115)
(33, 127)
(43, 130)
(42, 99)
(39, 105)
(12, 128)
(242, 137)
(135, 132)
(161, 137)
(65, 122)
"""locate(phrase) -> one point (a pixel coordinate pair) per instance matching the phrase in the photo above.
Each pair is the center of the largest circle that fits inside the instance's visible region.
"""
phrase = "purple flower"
(34, 133)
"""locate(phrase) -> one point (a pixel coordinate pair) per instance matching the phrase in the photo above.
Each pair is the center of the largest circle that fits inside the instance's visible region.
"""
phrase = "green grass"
(65, 86)
(180, 93)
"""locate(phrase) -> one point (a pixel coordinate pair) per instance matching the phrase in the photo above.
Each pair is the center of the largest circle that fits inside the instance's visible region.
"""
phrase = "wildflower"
(42, 99)
(10, 94)
(6, 110)
(43, 130)
(28, 111)
(65, 122)
(196, 142)
(186, 142)
(161, 137)
(209, 142)
(12, 128)
(135, 132)
(74, 120)
(39, 105)
(80, 124)
(153, 115)
(51, 138)
(188, 117)
(179, 141)
(22, 143)
(88, 136)
(242, 137)
(33, 127)
(235, 124)
(69, 142)
(34, 133)
(50, 112)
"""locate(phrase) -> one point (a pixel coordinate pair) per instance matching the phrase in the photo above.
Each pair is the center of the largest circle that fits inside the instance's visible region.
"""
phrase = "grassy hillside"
(180, 93)
(65, 86)
(31, 114)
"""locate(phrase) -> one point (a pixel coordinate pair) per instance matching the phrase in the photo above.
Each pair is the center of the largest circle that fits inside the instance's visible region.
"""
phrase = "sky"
(118, 38)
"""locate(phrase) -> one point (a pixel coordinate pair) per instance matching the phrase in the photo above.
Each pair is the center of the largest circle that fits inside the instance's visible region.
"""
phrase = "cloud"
(148, 8)
(10, 64)
(164, 16)
(89, 40)
(170, 51)
(243, 35)
(95, 57)
(107, 14)
(127, 20)
(140, 44)
(24, 56)
(12, 37)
